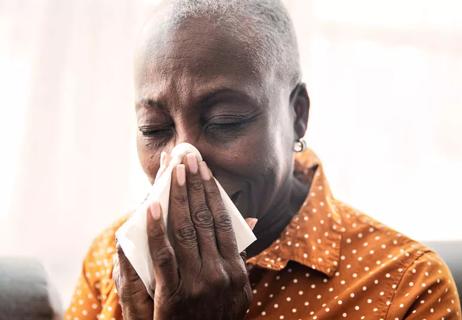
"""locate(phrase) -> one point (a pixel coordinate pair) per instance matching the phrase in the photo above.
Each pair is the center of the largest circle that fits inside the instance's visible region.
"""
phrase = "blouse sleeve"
(426, 291)
(85, 302)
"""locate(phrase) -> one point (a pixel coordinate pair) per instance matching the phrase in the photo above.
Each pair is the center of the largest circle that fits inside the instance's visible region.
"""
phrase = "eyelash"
(215, 127)
(234, 122)
(150, 132)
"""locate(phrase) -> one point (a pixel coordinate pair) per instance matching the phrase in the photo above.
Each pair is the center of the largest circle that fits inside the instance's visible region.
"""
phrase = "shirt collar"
(313, 236)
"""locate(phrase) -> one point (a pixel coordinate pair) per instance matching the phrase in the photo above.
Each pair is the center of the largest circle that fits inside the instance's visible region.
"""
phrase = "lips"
(239, 198)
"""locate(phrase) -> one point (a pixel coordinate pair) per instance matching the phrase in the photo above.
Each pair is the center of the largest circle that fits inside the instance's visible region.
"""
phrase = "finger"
(162, 255)
(181, 228)
(125, 268)
(225, 238)
(251, 222)
(133, 296)
(127, 281)
(200, 212)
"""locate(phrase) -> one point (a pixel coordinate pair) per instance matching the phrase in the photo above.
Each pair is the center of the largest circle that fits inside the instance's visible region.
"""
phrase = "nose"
(191, 135)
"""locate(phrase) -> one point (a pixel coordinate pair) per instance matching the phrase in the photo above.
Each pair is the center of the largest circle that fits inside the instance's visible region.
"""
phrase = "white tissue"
(132, 235)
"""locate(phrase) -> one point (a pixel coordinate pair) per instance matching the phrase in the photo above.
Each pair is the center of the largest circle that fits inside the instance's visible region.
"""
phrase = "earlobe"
(300, 103)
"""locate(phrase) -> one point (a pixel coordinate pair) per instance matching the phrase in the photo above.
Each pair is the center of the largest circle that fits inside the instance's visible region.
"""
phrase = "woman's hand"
(135, 302)
(198, 270)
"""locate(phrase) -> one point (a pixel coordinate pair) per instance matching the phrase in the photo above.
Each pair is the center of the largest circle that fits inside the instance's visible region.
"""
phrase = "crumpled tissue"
(132, 235)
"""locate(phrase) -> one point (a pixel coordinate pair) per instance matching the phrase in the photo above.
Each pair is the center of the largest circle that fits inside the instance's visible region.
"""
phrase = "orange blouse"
(331, 262)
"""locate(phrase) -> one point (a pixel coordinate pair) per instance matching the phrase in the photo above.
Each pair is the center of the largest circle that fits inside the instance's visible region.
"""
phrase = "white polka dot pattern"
(95, 296)
(331, 262)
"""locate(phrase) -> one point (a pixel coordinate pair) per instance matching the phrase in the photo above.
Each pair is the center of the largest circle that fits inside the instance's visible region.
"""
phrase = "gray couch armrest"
(25, 291)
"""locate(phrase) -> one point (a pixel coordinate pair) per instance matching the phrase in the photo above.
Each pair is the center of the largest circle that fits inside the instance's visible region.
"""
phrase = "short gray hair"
(268, 30)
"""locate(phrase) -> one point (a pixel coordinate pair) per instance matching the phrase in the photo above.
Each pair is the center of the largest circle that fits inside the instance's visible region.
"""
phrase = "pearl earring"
(300, 145)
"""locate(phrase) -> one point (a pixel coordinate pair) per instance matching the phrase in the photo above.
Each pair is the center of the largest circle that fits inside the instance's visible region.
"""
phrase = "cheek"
(254, 154)
(251, 163)
(149, 158)
(263, 161)
(245, 155)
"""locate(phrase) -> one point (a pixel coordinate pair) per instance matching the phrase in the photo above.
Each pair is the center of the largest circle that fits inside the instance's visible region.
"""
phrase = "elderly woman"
(224, 76)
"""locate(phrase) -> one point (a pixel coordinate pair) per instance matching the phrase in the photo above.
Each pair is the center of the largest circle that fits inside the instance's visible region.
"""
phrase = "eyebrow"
(206, 99)
(223, 94)
(149, 103)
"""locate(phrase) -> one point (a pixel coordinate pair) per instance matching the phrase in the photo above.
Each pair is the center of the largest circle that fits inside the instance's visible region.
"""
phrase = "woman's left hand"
(198, 270)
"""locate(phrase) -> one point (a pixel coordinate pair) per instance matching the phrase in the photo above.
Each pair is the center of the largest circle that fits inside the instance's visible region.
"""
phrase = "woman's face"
(199, 85)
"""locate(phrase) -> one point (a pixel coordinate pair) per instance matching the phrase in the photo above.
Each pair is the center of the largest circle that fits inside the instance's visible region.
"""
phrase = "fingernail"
(180, 174)
(155, 210)
(162, 159)
(192, 162)
(251, 222)
(204, 171)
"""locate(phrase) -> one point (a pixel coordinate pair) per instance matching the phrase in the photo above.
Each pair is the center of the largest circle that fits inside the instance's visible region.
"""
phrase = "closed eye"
(226, 126)
(150, 132)
(229, 123)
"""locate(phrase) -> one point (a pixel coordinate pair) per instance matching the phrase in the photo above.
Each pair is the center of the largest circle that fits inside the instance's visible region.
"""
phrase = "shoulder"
(370, 238)
(426, 290)
(409, 276)
(376, 251)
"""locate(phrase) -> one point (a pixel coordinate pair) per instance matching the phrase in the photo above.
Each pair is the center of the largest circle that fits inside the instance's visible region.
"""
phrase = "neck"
(273, 223)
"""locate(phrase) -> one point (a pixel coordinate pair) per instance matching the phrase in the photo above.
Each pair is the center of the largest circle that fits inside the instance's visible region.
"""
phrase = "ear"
(300, 102)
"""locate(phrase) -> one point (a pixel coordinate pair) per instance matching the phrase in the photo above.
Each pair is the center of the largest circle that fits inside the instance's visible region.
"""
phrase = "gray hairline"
(269, 33)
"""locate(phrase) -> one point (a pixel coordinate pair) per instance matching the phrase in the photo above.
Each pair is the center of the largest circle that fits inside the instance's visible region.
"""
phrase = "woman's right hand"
(135, 302)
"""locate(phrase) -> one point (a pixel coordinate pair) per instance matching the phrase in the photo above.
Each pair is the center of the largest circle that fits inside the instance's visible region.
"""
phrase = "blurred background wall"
(385, 80)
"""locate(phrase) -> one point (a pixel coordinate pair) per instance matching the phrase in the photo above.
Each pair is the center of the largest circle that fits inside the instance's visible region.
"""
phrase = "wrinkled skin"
(198, 84)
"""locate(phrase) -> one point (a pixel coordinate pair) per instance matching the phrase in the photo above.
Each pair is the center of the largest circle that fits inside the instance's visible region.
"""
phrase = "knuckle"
(202, 216)
(179, 199)
(198, 291)
(213, 192)
(196, 185)
(156, 235)
(124, 288)
(218, 279)
(130, 296)
(223, 220)
(163, 257)
(186, 236)
(215, 284)
(124, 295)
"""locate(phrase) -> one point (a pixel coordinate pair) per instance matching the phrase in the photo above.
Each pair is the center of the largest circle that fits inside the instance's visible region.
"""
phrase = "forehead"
(197, 54)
